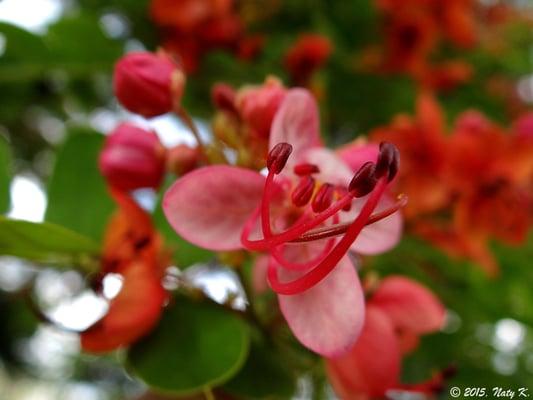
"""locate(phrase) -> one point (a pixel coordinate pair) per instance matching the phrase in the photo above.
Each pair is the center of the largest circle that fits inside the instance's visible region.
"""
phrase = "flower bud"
(182, 159)
(132, 158)
(148, 84)
(258, 105)
(223, 97)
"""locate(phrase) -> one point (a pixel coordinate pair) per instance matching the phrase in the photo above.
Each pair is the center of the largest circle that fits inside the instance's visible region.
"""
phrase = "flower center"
(371, 179)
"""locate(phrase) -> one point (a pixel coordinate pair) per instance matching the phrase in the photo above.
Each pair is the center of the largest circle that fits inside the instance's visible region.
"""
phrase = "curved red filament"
(318, 273)
(334, 230)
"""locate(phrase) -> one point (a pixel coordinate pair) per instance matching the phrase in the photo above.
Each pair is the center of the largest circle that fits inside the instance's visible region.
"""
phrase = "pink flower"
(306, 214)
(400, 309)
(148, 84)
(132, 158)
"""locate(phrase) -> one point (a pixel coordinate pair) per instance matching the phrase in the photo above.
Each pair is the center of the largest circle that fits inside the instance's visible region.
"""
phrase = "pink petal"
(409, 305)
(373, 365)
(380, 236)
(332, 169)
(296, 123)
(356, 154)
(209, 206)
(259, 274)
(328, 317)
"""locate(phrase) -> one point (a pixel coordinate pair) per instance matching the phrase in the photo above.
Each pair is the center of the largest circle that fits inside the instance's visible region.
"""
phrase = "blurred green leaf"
(196, 345)
(77, 194)
(5, 175)
(44, 242)
(264, 375)
(185, 253)
(25, 54)
(80, 40)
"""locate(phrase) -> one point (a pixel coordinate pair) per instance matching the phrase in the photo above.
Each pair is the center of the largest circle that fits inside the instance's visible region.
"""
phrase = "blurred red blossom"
(398, 312)
(190, 28)
(307, 55)
(480, 174)
(133, 249)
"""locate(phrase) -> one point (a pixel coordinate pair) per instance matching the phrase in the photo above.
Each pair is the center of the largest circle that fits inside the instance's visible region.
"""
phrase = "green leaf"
(71, 37)
(185, 253)
(44, 242)
(5, 175)
(196, 345)
(264, 376)
(77, 194)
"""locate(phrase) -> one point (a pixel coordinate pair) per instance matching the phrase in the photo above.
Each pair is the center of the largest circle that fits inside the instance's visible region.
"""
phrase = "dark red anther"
(388, 161)
(323, 198)
(278, 156)
(303, 192)
(306, 169)
(364, 180)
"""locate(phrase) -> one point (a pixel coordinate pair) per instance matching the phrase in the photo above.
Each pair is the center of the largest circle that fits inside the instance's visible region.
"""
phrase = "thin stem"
(339, 229)
(187, 120)
(208, 394)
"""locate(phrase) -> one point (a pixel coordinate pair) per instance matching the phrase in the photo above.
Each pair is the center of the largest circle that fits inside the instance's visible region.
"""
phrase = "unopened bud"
(132, 158)
(303, 192)
(182, 159)
(278, 156)
(223, 97)
(148, 84)
(364, 180)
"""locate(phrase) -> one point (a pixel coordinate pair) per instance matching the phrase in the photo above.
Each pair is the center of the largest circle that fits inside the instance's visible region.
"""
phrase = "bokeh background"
(56, 61)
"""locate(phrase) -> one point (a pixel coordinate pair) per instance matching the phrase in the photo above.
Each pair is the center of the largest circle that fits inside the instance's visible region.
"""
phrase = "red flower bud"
(148, 84)
(132, 158)
(259, 104)
(223, 96)
(182, 159)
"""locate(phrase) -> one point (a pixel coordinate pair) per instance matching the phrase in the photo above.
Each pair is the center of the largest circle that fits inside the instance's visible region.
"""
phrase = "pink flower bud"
(258, 105)
(132, 158)
(182, 159)
(148, 84)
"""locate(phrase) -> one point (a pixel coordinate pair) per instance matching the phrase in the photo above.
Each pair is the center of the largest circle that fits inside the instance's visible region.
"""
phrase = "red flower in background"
(413, 31)
(306, 56)
(133, 249)
(422, 140)
(192, 27)
(396, 315)
(480, 175)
